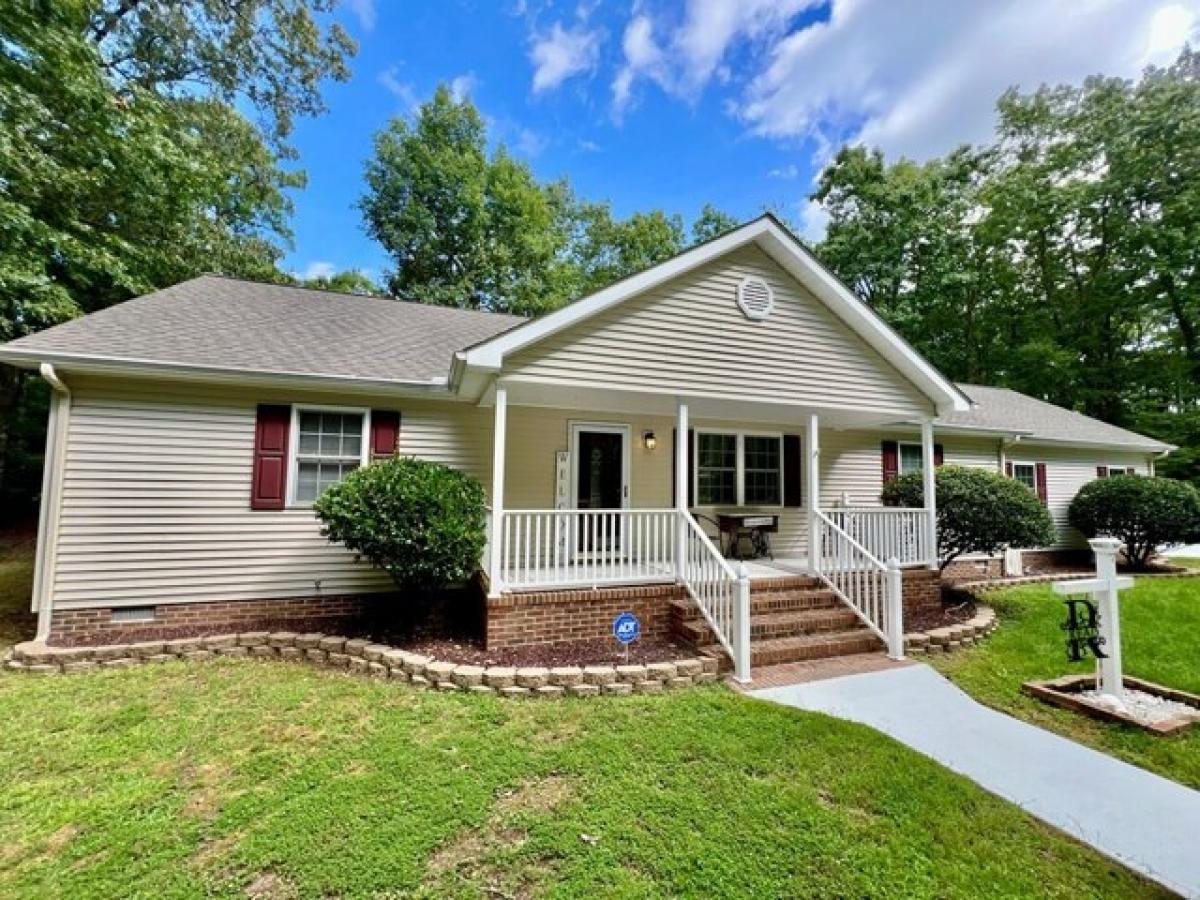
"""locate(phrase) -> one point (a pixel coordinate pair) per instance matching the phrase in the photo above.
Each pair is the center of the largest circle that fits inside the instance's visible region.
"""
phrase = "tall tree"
(464, 228)
(1061, 260)
(125, 167)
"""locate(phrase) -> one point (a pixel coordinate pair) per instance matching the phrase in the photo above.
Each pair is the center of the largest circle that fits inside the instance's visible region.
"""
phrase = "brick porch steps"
(792, 620)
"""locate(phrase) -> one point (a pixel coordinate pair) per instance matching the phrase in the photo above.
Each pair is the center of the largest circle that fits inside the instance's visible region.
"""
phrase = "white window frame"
(294, 445)
(900, 445)
(1124, 467)
(740, 457)
(1032, 467)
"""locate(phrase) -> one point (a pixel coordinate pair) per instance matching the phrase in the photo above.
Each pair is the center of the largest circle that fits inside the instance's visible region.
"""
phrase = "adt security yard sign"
(627, 628)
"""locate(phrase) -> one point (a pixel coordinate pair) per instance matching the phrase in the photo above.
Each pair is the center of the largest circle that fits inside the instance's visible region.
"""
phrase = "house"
(737, 384)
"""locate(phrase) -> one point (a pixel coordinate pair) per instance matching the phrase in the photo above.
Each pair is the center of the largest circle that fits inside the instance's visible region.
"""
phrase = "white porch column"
(681, 485)
(929, 483)
(499, 445)
(812, 479)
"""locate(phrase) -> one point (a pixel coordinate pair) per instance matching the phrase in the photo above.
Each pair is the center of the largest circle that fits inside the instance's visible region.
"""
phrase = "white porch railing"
(721, 593)
(868, 586)
(585, 547)
(887, 532)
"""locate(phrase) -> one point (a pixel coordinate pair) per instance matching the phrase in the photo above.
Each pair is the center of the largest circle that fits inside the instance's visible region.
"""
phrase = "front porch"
(628, 504)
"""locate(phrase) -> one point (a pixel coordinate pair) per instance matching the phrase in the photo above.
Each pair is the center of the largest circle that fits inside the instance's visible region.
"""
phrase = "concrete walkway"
(1148, 823)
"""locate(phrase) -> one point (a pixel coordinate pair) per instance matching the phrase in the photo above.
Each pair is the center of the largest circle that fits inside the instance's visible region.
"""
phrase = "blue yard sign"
(627, 628)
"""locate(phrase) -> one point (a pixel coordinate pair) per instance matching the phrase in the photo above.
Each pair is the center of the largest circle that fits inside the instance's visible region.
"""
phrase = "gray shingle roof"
(228, 323)
(1002, 409)
(233, 324)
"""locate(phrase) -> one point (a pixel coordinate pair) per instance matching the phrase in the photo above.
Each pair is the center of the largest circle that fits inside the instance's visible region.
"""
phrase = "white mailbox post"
(1104, 588)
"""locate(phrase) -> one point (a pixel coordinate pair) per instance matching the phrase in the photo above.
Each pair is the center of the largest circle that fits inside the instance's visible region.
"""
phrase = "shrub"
(978, 511)
(421, 522)
(1145, 513)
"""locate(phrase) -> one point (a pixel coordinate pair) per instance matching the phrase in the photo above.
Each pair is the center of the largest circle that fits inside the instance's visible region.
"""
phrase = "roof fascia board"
(142, 368)
(1150, 446)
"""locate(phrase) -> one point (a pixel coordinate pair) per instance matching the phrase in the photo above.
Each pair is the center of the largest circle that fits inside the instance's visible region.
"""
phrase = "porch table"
(748, 533)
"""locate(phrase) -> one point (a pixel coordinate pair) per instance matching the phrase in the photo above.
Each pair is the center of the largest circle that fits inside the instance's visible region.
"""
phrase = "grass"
(233, 777)
(16, 586)
(1160, 621)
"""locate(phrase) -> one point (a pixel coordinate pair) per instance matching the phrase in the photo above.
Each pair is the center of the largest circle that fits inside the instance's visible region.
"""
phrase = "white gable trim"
(781, 246)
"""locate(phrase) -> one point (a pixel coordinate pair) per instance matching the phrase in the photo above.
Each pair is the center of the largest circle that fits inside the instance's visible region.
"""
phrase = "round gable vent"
(755, 298)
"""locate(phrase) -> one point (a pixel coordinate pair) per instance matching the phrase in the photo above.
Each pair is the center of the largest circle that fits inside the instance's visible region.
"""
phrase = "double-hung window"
(738, 469)
(328, 445)
(1026, 473)
(912, 458)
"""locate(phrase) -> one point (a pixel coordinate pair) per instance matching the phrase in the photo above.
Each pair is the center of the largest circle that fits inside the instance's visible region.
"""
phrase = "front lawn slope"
(231, 777)
(1160, 629)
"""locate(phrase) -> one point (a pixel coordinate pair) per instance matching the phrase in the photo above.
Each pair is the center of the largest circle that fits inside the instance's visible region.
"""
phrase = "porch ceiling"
(650, 402)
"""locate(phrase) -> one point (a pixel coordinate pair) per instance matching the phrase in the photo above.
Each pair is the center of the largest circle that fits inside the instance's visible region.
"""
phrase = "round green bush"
(1144, 513)
(978, 511)
(423, 523)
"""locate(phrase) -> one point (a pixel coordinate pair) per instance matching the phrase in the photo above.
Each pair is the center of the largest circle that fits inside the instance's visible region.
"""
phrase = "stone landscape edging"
(360, 656)
(948, 638)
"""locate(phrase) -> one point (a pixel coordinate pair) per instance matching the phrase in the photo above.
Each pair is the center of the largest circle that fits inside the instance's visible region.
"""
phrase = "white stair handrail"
(721, 593)
(873, 589)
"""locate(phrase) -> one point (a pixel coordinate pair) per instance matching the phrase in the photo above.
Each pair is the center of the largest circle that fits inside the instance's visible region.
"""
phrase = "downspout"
(48, 514)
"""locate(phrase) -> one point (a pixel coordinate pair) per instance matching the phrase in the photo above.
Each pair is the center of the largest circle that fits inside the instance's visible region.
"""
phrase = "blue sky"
(672, 105)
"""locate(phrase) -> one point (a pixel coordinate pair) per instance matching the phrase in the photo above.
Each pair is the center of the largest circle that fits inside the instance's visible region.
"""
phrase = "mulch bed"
(950, 614)
(574, 653)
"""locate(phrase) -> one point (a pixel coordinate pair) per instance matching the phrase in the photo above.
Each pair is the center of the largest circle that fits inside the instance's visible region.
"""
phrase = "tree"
(351, 281)
(463, 228)
(609, 249)
(272, 54)
(977, 511)
(422, 522)
(1060, 260)
(124, 166)
(712, 223)
(1145, 513)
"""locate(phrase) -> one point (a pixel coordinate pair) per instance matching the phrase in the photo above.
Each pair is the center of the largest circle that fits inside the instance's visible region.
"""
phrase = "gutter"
(30, 359)
(51, 505)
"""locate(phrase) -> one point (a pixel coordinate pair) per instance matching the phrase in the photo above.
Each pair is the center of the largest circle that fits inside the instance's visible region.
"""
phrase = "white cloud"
(919, 78)
(364, 11)
(462, 86)
(530, 143)
(813, 221)
(318, 268)
(692, 51)
(562, 53)
(401, 90)
(785, 173)
(586, 146)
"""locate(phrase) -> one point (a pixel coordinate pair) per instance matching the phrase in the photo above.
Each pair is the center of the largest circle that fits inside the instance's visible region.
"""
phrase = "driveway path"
(1147, 822)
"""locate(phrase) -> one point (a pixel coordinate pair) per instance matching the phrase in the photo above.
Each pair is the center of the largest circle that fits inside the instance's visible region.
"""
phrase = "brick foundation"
(549, 617)
(974, 569)
(452, 611)
(921, 590)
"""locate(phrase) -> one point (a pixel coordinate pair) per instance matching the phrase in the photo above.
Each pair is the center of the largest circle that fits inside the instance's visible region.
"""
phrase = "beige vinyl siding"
(1067, 470)
(156, 486)
(689, 336)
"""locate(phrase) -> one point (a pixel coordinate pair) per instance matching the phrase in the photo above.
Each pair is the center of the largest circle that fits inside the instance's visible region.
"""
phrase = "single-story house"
(735, 394)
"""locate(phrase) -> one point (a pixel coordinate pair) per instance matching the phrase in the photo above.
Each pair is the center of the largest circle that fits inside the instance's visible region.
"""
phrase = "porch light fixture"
(649, 440)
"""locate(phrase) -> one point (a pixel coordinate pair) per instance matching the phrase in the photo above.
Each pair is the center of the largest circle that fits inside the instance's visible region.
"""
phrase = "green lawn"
(16, 584)
(1160, 626)
(228, 777)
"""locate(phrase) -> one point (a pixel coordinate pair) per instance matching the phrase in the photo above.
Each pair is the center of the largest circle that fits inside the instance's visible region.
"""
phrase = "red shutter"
(1101, 471)
(939, 456)
(268, 488)
(385, 433)
(1040, 470)
(793, 458)
(1008, 472)
(891, 460)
